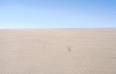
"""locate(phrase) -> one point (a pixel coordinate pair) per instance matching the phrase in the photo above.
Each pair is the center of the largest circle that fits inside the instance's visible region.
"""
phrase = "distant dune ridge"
(58, 51)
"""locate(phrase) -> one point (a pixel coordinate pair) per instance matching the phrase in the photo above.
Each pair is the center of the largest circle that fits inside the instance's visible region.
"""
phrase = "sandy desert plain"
(58, 51)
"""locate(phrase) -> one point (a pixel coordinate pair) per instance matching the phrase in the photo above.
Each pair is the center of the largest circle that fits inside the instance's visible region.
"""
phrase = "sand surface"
(58, 51)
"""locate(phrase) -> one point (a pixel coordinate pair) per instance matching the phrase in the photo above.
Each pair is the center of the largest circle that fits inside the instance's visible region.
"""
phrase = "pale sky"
(57, 13)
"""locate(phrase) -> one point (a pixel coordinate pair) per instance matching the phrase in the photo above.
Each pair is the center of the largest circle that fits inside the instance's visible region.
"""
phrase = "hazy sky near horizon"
(57, 13)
